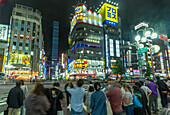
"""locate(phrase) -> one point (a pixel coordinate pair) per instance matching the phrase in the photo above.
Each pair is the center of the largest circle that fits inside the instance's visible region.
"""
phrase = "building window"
(26, 45)
(21, 36)
(22, 29)
(15, 35)
(28, 30)
(28, 23)
(27, 37)
(15, 43)
(22, 22)
(20, 51)
(20, 44)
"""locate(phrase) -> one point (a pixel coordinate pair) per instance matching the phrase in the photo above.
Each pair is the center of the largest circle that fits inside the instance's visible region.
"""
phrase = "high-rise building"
(112, 35)
(85, 40)
(55, 38)
(25, 42)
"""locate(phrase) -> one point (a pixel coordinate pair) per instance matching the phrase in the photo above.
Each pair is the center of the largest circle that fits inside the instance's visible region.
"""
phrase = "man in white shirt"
(146, 89)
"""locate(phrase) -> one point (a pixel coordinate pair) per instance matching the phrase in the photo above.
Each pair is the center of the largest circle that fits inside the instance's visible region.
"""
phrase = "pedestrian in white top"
(25, 91)
(147, 91)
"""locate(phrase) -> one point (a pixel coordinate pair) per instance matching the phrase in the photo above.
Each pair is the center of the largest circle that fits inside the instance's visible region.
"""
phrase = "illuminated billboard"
(80, 64)
(109, 14)
(3, 32)
(19, 59)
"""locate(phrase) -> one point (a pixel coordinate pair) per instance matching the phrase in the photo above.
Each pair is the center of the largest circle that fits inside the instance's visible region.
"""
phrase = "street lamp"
(146, 34)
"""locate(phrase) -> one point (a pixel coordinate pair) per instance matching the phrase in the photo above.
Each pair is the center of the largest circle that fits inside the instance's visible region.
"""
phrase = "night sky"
(131, 12)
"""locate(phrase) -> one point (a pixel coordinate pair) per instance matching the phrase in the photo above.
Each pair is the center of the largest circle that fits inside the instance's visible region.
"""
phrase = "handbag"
(108, 106)
(60, 113)
(86, 101)
(136, 102)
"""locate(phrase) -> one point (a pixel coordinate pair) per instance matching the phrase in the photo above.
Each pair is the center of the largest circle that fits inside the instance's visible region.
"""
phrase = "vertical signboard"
(109, 14)
(3, 32)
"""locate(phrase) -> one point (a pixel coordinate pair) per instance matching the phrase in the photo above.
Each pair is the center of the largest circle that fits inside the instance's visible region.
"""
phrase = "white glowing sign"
(3, 32)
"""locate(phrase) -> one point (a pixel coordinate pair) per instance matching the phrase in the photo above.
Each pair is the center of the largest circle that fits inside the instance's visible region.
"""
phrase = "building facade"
(55, 38)
(85, 40)
(112, 35)
(25, 42)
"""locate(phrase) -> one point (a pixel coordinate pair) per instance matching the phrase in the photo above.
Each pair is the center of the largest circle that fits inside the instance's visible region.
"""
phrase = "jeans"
(164, 99)
(76, 113)
(153, 99)
(129, 110)
(12, 111)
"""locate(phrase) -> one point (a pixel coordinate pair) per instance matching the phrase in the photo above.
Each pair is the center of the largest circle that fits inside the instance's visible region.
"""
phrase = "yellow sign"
(109, 14)
(19, 59)
(80, 64)
(78, 9)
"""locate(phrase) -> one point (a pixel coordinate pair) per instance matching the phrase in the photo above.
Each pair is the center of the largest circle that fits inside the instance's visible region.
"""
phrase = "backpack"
(138, 95)
(136, 102)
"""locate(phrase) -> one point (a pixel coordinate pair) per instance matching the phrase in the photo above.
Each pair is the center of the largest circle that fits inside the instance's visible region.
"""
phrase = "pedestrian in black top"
(68, 95)
(163, 90)
(55, 96)
(15, 99)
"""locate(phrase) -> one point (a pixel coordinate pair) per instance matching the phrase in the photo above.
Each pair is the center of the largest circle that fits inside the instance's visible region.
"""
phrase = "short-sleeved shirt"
(128, 95)
(153, 88)
(77, 97)
(58, 94)
(146, 90)
(115, 99)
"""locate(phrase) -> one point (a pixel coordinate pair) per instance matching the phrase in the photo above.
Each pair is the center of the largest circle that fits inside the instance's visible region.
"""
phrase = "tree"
(148, 71)
(119, 68)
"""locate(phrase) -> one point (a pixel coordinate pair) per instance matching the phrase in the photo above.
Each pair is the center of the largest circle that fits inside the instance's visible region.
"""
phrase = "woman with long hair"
(98, 101)
(128, 99)
(37, 103)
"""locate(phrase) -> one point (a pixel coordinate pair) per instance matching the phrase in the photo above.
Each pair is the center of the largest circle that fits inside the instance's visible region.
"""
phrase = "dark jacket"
(36, 105)
(162, 86)
(15, 98)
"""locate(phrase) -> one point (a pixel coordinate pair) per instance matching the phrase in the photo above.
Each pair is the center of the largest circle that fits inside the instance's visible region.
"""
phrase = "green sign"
(142, 50)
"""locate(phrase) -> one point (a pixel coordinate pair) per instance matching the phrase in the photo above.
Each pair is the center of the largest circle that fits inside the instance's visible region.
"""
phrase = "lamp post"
(145, 35)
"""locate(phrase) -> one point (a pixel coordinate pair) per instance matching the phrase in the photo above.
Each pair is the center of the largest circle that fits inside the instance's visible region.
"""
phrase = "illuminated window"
(28, 30)
(15, 35)
(117, 48)
(27, 37)
(21, 36)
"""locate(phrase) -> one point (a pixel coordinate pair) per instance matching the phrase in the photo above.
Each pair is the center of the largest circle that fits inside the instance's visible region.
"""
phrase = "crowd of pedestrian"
(139, 99)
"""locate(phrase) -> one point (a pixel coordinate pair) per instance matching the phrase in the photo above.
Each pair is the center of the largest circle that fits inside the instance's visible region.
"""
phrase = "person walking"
(68, 95)
(163, 91)
(25, 91)
(15, 99)
(37, 103)
(77, 98)
(147, 91)
(98, 101)
(153, 98)
(88, 98)
(128, 99)
(55, 96)
(115, 98)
